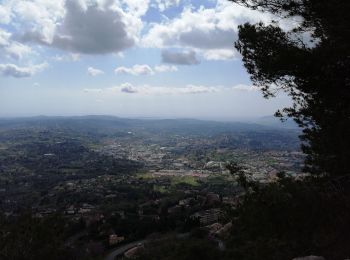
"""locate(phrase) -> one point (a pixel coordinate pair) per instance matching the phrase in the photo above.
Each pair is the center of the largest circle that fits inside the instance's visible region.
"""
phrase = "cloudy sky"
(131, 58)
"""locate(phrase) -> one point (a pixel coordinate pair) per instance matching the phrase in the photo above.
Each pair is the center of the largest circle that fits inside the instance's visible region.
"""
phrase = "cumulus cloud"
(136, 70)
(5, 15)
(38, 18)
(12, 70)
(108, 26)
(180, 58)
(209, 31)
(219, 54)
(165, 4)
(17, 50)
(92, 31)
(127, 88)
(94, 72)
(12, 49)
(208, 39)
(145, 69)
(165, 68)
(136, 7)
(4, 38)
(82, 26)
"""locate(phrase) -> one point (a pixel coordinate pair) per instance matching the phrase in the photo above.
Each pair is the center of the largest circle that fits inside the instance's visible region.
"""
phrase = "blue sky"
(130, 58)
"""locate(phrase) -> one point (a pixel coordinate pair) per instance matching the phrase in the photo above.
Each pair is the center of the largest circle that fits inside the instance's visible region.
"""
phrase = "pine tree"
(312, 64)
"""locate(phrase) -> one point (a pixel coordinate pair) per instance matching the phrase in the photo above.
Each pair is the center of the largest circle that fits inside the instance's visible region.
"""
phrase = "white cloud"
(165, 4)
(209, 31)
(66, 58)
(180, 58)
(38, 18)
(92, 31)
(219, 54)
(128, 88)
(242, 87)
(5, 15)
(94, 72)
(17, 50)
(81, 26)
(12, 49)
(135, 70)
(165, 68)
(147, 90)
(136, 7)
(4, 38)
(145, 69)
(12, 70)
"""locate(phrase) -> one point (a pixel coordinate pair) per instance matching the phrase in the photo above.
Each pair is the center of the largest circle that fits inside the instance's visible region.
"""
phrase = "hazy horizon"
(219, 119)
(127, 58)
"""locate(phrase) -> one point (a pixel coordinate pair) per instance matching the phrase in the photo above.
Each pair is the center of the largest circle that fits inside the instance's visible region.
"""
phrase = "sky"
(128, 58)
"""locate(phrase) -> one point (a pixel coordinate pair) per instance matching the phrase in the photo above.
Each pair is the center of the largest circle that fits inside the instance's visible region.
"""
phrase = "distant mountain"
(267, 134)
(272, 121)
(183, 126)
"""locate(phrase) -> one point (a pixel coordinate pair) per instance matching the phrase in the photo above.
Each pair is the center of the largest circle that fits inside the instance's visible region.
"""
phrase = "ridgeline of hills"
(270, 134)
(112, 123)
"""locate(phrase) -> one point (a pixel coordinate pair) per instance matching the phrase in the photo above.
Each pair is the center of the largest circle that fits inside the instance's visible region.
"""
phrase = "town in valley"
(114, 181)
